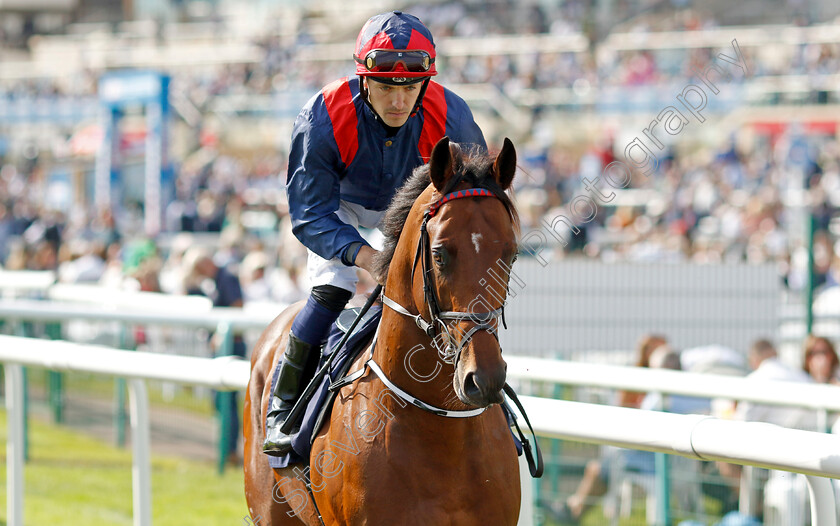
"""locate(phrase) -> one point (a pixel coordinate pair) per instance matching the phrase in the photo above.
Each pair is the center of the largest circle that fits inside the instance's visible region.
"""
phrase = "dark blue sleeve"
(313, 187)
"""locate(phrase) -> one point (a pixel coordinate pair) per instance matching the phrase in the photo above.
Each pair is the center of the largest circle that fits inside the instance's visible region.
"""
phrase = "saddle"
(319, 407)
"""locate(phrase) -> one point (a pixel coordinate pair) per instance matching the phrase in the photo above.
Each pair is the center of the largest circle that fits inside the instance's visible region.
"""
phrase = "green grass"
(89, 384)
(72, 479)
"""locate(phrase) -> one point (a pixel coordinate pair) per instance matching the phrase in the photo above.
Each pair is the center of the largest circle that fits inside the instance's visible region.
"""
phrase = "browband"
(470, 192)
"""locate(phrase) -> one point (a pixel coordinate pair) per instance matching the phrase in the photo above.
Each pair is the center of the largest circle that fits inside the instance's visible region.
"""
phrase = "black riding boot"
(286, 392)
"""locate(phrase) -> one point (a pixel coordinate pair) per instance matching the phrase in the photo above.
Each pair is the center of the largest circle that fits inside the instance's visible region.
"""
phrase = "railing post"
(663, 481)
(663, 489)
(748, 492)
(822, 421)
(24, 386)
(526, 508)
(224, 399)
(141, 472)
(553, 465)
(55, 379)
(823, 501)
(14, 445)
(25, 330)
(119, 396)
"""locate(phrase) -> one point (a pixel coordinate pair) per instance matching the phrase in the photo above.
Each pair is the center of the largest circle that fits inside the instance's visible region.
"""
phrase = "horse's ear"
(440, 164)
(505, 165)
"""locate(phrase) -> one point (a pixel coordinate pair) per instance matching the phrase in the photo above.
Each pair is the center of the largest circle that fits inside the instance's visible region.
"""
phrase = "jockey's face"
(393, 104)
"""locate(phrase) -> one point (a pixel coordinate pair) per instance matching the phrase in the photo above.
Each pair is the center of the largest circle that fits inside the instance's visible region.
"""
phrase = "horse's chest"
(414, 480)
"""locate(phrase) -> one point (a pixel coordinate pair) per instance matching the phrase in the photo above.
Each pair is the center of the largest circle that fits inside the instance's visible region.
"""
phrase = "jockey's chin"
(395, 118)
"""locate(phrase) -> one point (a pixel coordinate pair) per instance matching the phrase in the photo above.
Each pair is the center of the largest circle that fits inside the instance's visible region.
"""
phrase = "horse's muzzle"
(482, 389)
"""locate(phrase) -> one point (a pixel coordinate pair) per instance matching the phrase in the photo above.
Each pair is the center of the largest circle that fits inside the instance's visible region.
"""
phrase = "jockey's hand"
(364, 260)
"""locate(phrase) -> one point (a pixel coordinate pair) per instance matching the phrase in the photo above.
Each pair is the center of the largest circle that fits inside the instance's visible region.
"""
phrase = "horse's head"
(459, 242)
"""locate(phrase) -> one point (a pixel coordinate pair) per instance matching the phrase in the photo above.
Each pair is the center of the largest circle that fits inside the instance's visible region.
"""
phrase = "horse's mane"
(474, 170)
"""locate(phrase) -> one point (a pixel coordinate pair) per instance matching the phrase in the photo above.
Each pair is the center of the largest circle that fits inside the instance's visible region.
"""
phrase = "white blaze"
(475, 239)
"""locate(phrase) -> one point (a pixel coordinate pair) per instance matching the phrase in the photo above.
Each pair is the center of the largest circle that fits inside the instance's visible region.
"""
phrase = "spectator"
(85, 264)
(666, 358)
(766, 365)
(6, 228)
(764, 362)
(654, 352)
(820, 360)
(252, 275)
(226, 291)
(288, 284)
(647, 344)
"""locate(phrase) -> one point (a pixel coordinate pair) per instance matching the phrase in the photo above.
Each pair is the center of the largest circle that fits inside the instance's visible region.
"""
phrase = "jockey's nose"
(399, 99)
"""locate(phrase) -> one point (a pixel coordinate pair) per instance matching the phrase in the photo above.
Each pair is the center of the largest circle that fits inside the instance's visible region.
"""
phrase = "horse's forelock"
(475, 170)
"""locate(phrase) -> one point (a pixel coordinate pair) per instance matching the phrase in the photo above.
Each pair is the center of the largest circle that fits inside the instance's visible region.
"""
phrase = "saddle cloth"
(302, 440)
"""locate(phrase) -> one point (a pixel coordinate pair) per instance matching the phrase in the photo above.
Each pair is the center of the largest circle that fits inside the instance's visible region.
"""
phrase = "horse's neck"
(407, 356)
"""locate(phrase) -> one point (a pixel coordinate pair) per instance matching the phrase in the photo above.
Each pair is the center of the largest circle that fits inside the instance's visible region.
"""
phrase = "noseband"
(438, 326)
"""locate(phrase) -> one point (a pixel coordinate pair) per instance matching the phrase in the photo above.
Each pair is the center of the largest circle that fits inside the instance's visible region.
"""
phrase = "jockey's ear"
(505, 165)
(441, 164)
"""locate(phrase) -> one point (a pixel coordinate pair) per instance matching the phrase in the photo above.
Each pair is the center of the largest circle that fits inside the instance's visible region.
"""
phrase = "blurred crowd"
(742, 201)
(735, 203)
(738, 200)
(84, 246)
(283, 68)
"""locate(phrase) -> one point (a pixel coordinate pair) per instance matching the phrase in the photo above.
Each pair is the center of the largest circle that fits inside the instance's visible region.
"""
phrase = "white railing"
(819, 397)
(20, 281)
(693, 436)
(166, 312)
(702, 438)
(227, 373)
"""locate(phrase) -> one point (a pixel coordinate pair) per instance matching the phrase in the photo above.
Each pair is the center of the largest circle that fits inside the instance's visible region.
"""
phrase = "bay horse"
(388, 454)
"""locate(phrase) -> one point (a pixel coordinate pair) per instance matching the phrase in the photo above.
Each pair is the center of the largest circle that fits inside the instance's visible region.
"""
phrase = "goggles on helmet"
(387, 60)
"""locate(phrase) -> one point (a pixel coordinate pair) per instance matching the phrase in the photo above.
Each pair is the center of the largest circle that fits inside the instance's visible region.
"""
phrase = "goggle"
(386, 60)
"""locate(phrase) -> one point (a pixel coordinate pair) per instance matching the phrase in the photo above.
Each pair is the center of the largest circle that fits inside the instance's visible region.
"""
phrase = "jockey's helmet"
(395, 48)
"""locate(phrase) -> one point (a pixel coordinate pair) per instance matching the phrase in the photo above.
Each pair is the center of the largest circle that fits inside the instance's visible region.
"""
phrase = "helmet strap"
(420, 97)
(363, 89)
(365, 97)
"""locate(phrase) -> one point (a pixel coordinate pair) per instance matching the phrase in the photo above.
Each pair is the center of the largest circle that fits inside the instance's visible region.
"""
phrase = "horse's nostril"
(471, 387)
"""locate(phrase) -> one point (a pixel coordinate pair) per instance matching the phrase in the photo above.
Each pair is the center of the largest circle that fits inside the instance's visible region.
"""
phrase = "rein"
(452, 351)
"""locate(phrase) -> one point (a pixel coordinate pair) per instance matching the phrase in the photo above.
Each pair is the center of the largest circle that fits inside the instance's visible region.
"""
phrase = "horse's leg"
(274, 497)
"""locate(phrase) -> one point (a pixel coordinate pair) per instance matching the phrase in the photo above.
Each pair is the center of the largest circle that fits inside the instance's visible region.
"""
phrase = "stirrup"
(279, 446)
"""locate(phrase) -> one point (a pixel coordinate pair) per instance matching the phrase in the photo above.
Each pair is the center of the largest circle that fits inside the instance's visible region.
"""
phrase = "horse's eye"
(514, 258)
(440, 257)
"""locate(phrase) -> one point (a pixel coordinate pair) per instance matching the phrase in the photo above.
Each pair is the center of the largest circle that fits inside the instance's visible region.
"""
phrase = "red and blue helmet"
(395, 48)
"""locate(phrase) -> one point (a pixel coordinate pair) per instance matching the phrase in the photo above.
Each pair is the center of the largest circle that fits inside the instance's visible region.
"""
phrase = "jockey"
(353, 145)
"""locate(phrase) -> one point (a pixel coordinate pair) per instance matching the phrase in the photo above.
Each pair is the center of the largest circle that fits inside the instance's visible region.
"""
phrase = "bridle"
(450, 352)
(438, 324)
